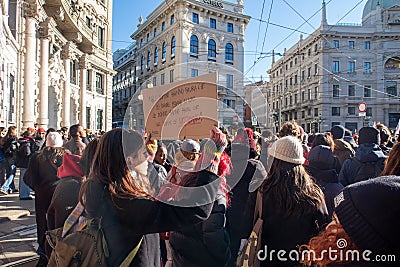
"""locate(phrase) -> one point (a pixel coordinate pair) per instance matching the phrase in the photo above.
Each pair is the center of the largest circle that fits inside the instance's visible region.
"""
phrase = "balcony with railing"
(72, 23)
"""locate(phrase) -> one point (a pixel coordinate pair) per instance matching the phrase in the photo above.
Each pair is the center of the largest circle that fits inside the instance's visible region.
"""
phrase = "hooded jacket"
(366, 153)
(343, 150)
(66, 194)
(322, 168)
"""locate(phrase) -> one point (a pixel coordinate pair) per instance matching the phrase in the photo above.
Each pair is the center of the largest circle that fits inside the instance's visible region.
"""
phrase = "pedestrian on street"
(41, 176)
(9, 145)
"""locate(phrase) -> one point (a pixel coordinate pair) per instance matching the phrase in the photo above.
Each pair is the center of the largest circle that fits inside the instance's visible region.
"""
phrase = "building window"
(99, 83)
(295, 98)
(315, 48)
(163, 26)
(155, 32)
(367, 45)
(295, 79)
(315, 69)
(309, 72)
(72, 68)
(213, 23)
(352, 90)
(336, 43)
(148, 60)
(351, 66)
(367, 91)
(309, 94)
(316, 92)
(156, 55)
(194, 46)
(335, 111)
(164, 51)
(229, 52)
(367, 67)
(303, 74)
(391, 88)
(88, 80)
(230, 103)
(316, 114)
(154, 81)
(335, 66)
(171, 76)
(99, 119)
(335, 90)
(309, 52)
(351, 110)
(148, 37)
(142, 63)
(303, 114)
(368, 112)
(88, 22)
(195, 18)
(212, 49)
(194, 73)
(351, 44)
(172, 20)
(173, 45)
(100, 37)
(229, 81)
(230, 27)
(303, 96)
(162, 79)
(88, 117)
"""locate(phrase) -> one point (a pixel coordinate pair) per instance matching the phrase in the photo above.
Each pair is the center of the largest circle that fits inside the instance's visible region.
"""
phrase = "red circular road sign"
(362, 107)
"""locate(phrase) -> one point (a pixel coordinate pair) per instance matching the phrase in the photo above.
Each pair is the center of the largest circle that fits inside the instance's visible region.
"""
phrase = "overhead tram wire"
(258, 34)
(266, 28)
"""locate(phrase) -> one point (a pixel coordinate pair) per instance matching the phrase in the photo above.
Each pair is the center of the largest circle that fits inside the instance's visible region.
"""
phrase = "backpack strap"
(131, 255)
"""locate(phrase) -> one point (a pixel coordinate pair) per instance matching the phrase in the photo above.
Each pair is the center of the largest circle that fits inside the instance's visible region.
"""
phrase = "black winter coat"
(126, 221)
(206, 243)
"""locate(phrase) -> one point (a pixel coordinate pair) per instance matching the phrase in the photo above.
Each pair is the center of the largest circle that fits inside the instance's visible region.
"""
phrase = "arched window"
(229, 51)
(142, 63)
(164, 51)
(156, 55)
(212, 48)
(194, 44)
(148, 59)
(173, 45)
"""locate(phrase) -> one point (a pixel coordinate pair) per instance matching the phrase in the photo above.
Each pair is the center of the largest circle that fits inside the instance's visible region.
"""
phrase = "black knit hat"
(369, 212)
(337, 132)
(369, 135)
(321, 157)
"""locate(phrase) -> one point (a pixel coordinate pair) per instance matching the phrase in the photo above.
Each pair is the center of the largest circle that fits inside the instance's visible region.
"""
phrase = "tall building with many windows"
(63, 71)
(320, 81)
(186, 38)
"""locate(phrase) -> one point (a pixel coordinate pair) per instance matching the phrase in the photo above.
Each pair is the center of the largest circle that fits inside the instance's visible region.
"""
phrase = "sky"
(284, 18)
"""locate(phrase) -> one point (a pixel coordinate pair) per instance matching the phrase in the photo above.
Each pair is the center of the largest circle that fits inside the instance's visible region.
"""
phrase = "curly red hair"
(328, 239)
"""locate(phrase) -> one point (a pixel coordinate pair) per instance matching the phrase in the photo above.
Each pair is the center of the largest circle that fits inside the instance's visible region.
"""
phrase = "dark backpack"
(368, 170)
(23, 153)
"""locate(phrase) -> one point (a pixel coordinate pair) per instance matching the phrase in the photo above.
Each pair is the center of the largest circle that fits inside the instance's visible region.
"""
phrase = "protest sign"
(185, 109)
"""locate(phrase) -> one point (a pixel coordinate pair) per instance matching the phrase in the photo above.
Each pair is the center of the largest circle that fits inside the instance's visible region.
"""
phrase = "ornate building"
(182, 39)
(320, 81)
(64, 63)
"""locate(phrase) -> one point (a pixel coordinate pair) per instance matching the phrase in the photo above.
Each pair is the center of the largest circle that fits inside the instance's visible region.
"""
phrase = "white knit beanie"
(54, 139)
(288, 149)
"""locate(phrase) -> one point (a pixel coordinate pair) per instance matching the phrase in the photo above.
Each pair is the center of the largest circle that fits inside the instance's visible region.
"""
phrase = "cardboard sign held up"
(185, 109)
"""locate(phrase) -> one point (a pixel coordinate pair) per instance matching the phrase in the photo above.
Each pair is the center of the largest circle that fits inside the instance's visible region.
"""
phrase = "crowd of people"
(315, 189)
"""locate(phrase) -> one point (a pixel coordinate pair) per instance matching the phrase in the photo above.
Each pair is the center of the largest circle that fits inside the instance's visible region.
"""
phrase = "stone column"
(45, 37)
(83, 65)
(31, 17)
(66, 56)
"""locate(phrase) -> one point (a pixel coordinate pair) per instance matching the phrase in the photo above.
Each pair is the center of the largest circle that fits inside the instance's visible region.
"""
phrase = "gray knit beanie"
(288, 149)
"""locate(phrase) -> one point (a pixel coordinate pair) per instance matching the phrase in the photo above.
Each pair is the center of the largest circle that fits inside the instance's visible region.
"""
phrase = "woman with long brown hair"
(293, 206)
(118, 191)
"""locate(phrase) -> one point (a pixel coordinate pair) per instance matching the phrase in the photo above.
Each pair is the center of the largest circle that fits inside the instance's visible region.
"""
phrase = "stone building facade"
(320, 81)
(65, 68)
(187, 38)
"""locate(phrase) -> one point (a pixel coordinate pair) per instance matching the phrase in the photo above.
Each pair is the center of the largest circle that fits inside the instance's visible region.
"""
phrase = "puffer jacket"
(204, 244)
